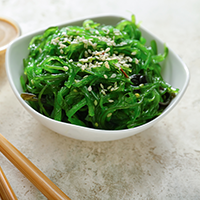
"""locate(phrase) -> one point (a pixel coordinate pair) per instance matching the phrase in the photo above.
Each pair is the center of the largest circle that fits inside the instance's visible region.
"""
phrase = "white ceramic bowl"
(174, 72)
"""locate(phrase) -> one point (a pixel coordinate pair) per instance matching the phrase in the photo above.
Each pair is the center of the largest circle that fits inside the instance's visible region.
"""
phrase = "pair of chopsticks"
(32, 173)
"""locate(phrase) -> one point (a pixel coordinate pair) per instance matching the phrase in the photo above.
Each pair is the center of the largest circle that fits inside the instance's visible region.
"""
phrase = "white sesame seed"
(107, 65)
(113, 76)
(123, 43)
(101, 85)
(136, 61)
(118, 65)
(111, 101)
(103, 92)
(105, 76)
(90, 43)
(85, 76)
(94, 45)
(65, 67)
(89, 51)
(134, 53)
(61, 51)
(126, 65)
(98, 53)
(107, 50)
(90, 88)
(83, 67)
(109, 114)
(109, 87)
(83, 60)
(141, 85)
(62, 46)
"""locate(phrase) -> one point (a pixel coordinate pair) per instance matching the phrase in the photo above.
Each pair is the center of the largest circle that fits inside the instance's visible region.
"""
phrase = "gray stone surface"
(160, 163)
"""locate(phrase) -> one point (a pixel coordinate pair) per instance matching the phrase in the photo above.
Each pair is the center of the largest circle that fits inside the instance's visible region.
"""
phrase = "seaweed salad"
(95, 75)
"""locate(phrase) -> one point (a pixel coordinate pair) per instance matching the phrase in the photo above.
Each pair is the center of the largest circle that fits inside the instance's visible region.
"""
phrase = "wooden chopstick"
(42, 182)
(6, 192)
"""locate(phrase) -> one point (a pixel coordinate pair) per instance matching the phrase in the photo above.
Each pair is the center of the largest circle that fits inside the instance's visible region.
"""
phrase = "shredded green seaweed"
(97, 76)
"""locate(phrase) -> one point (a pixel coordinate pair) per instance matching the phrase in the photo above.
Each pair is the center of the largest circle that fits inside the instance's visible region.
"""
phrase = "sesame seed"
(89, 51)
(83, 60)
(103, 92)
(61, 51)
(62, 46)
(107, 50)
(101, 85)
(90, 43)
(134, 53)
(98, 53)
(126, 65)
(65, 67)
(85, 76)
(109, 87)
(141, 85)
(123, 43)
(113, 76)
(109, 114)
(107, 65)
(118, 65)
(94, 45)
(105, 76)
(90, 88)
(136, 61)
(83, 67)
(111, 101)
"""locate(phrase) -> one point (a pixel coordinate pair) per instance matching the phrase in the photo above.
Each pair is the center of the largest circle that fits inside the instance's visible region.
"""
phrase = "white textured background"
(160, 163)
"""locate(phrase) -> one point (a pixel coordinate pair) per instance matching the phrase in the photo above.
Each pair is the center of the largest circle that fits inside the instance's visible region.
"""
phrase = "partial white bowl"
(174, 72)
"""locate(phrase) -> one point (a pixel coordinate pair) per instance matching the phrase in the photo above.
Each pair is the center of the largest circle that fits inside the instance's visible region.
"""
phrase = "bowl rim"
(108, 15)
